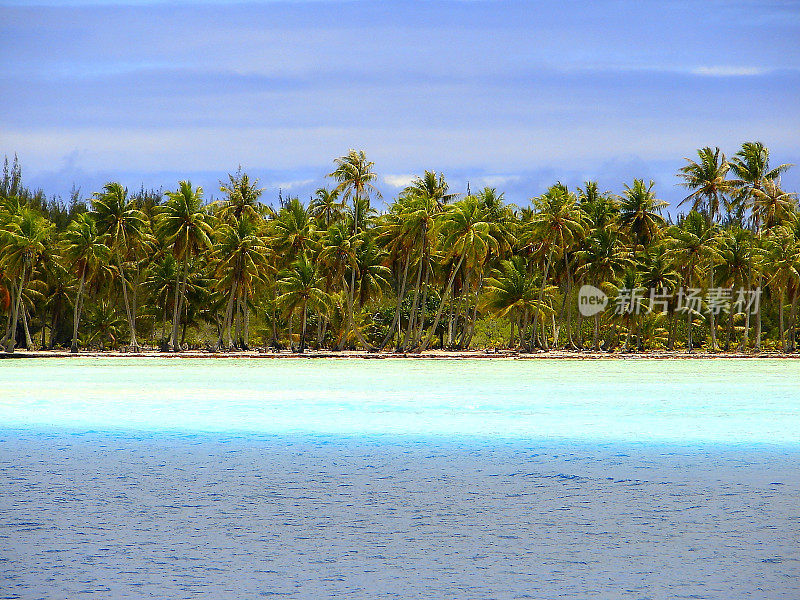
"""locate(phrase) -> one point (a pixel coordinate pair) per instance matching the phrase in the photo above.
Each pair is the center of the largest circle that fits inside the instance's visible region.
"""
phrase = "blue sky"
(514, 95)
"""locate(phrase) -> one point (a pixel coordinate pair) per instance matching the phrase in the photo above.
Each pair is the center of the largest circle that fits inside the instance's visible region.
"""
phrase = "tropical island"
(173, 271)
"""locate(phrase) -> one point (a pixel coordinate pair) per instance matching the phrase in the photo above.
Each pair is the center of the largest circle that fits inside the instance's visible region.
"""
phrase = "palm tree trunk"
(400, 298)
(237, 311)
(54, 321)
(729, 334)
(451, 322)
(561, 318)
(76, 318)
(173, 340)
(164, 323)
(758, 320)
(12, 332)
(28, 340)
(523, 329)
(628, 335)
(442, 304)
(291, 339)
(226, 326)
(465, 295)
(673, 329)
(793, 321)
(131, 321)
(246, 326)
(596, 340)
(135, 304)
(457, 318)
(412, 316)
(320, 322)
(324, 332)
(468, 341)
(350, 302)
(541, 291)
(711, 317)
(274, 317)
(424, 305)
(780, 321)
(303, 332)
(570, 341)
(689, 334)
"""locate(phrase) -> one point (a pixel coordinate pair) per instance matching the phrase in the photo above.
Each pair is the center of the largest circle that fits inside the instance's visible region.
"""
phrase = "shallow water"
(645, 400)
(399, 479)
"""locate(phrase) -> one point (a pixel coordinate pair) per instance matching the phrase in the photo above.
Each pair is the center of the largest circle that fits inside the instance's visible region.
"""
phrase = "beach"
(427, 354)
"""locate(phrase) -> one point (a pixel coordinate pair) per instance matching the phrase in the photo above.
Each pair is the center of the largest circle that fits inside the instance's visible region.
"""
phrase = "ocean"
(185, 478)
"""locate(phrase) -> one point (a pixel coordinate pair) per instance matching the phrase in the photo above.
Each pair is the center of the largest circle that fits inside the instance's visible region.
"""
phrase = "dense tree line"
(435, 269)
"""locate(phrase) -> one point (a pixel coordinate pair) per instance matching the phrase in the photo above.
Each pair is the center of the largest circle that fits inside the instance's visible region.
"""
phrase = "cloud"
(290, 185)
(729, 71)
(398, 181)
(498, 180)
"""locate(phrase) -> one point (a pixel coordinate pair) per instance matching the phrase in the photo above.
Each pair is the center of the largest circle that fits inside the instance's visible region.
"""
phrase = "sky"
(511, 95)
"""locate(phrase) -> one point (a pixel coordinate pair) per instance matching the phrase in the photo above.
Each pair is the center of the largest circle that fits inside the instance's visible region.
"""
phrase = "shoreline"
(427, 355)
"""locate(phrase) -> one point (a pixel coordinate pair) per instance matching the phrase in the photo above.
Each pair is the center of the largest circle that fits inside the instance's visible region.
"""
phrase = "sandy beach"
(428, 354)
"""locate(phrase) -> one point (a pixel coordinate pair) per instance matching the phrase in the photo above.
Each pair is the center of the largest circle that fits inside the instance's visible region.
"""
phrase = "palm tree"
(466, 238)
(418, 213)
(240, 263)
(555, 228)
(772, 206)
(103, 323)
(124, 227)
(355, 177)
(708, 181)
(658, 275)
(372, 274)
(25, 237)
(640, 213)
(601, 208)
(431, 185)
(184, 225)
(398, 233)
(629, 308)
(512, 292)
(301, 288)
(693, 251)
(87, 255)
(243, 196)
(326, 207)
(161, 283)
(735, 270)
(752, 171)
(603, 260)
(291, 233)
(783, 254)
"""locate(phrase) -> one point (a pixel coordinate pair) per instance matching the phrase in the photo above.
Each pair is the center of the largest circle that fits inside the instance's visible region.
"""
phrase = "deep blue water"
(98, 515)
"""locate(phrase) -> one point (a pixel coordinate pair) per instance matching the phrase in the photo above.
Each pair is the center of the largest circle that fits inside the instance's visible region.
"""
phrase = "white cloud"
(728, 71)
(498, 180)
(288, 185)
(399, 181)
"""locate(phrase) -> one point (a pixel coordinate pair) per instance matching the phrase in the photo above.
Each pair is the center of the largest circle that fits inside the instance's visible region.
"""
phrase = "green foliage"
(434, 269)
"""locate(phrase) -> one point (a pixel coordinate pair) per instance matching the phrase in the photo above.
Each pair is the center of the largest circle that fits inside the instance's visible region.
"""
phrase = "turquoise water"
(726, 401)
